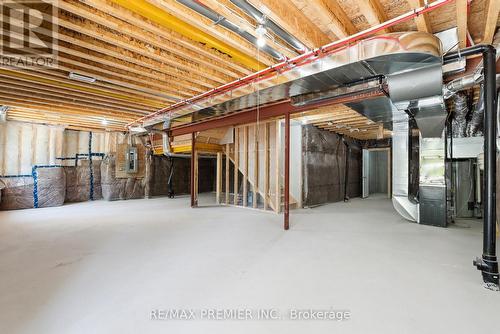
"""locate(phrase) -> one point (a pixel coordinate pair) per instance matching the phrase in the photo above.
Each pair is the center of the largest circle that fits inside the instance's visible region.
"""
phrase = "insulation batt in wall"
(23, 145)
(324, 167)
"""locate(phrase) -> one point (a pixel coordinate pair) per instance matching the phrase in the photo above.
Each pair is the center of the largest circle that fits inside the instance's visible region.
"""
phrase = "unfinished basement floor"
(102, 267)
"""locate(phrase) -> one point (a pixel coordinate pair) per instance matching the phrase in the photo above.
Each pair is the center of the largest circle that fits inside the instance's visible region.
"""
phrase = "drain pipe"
(488, 264)
(170, 183)
(222, 21)
(346, 171)
(262, 19)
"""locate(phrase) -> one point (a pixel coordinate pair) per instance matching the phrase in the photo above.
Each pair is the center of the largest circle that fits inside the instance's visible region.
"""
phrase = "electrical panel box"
(131, 160)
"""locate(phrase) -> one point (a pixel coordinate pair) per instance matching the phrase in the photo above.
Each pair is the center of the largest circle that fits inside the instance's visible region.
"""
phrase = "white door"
(366, 173)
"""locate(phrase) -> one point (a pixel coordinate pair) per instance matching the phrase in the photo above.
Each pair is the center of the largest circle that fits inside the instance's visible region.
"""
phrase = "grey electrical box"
(131, 160)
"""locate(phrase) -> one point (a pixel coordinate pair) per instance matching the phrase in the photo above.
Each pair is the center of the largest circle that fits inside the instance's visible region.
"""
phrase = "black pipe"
(170, 183)
(346, 172)
(488, 264)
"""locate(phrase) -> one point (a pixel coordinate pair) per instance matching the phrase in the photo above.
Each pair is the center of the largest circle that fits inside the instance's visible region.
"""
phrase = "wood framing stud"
(255, 166)
(236, 164)
(228, 161)
(245, 166)
(218, 190)
(266, 166)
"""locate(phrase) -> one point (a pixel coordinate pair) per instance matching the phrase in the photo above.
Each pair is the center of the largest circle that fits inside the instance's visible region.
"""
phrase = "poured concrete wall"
(324, 166)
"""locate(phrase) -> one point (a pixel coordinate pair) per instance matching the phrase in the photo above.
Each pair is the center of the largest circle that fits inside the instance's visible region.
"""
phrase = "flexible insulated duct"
(459, 122)
(475, 126)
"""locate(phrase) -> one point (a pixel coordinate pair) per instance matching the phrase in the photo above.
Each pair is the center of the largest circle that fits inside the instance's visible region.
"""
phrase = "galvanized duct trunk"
(407, 208)
(420, 94)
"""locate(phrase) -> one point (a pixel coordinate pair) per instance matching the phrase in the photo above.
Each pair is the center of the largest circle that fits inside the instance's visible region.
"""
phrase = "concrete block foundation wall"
(324, 162)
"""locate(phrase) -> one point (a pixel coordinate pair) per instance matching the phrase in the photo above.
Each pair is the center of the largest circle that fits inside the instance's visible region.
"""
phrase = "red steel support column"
(287, 171)
(193, 157)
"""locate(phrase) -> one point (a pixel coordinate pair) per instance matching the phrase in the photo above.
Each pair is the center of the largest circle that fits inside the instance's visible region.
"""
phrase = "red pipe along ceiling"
(301, 60)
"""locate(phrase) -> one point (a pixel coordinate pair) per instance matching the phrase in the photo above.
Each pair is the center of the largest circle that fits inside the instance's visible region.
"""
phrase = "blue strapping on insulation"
(13, 176)
(34, 174)
(86, 155)
(34, 169)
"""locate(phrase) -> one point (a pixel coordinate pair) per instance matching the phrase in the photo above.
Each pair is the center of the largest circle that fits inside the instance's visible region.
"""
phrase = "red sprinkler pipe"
(297, 61)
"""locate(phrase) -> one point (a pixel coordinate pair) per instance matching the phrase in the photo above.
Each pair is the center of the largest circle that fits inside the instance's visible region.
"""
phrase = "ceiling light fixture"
(104, 122)
(82, 78)
(261, 32)
(261, 42)
(138, 129)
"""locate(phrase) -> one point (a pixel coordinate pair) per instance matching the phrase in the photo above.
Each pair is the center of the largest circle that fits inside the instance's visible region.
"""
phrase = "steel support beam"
(193, 162)
(278, 109)
(287, 173)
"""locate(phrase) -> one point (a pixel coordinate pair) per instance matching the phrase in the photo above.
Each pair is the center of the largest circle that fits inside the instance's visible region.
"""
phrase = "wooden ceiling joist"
(133, 70)
(176, 67)
(328, 16)
(49, 77)
(26, 91)
(422, 21)
(294, 21)
(141, 62)
(492, 10)
(148, 54)
(462, 11)
(196, 20)
(59, 92)
(62, 73)
(373, 12)
(181, 58)
(39, 104)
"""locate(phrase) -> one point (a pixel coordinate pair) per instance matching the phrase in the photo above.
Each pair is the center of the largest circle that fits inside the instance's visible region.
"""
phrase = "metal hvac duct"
(378, 56)
(420, 94)
(262, 19)
(221, 20)
(407, 208)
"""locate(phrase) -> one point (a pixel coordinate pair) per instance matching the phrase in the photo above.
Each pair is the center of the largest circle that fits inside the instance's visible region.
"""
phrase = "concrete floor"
(103, 267)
